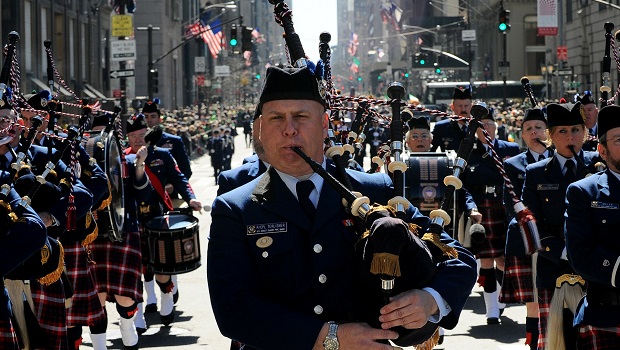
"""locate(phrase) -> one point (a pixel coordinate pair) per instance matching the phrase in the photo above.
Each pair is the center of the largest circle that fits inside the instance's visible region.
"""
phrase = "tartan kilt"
(518, 284)
(8, 338)
(118, 267)
(51, 312)
(590, 337)
(86, 308)
(494, 222)
(544, 303)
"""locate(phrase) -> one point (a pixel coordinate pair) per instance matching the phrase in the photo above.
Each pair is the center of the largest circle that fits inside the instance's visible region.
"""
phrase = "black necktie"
(304, 188)
(465, 129)
(541, 157)
(569, 176)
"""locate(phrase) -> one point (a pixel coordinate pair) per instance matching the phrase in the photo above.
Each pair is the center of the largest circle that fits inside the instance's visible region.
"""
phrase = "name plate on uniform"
(603, 205)
(263, 229)
(548, 187)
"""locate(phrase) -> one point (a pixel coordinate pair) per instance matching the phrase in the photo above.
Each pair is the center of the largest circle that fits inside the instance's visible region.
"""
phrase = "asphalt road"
(195, 327)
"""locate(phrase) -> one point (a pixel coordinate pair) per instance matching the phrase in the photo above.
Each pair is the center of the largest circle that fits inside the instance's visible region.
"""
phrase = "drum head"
(113, 169)
(171, 222)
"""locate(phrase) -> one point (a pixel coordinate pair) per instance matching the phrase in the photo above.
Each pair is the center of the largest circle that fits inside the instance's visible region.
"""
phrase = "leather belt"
(485, 189)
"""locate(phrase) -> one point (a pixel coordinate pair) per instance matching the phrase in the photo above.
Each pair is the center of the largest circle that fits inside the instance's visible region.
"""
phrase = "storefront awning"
(44, 86)
(98, 93)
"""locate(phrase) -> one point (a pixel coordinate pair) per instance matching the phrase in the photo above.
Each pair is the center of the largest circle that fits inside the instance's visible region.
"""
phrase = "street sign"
(562, 52)
(123, 50)
(122, 25)
(564, 72)
(468, 35)
(221, 71)
(121, 73)
(200, 64)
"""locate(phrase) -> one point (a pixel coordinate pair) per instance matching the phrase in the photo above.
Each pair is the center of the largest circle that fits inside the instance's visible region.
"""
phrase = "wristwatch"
(331, 340)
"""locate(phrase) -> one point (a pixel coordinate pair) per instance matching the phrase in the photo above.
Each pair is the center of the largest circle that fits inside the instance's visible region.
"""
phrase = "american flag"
(211, 33)
(353, 43)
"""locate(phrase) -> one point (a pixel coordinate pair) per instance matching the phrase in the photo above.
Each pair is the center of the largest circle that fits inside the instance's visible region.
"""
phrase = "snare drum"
(424, 186)
(110, 219)
(173, 244)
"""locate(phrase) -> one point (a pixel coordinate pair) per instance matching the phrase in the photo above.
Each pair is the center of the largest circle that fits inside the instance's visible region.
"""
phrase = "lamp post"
(547, 71)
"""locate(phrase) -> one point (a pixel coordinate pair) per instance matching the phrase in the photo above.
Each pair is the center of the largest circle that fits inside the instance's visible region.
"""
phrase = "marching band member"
(302, 269)
(518, 283)
(162, 169)
(544, 193)
(419, 137)
(119, 264)
(485, 184)
(448, 133)
(592, 241)
(591, 113)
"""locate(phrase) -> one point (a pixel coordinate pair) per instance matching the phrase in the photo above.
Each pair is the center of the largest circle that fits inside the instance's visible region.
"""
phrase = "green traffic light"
(437, 70)
(422, 62)
(257, 76)
(359, 78)
(233, 42)
(406, 75)
(502, 26)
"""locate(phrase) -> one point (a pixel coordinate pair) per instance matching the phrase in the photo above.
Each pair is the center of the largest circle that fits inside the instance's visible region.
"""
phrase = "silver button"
(322, 278)
(318, 309)
(265, 254)
(318, 248)
(604, 221)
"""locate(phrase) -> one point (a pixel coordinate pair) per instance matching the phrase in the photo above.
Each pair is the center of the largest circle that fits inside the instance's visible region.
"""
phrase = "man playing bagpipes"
(449, 133)
(281, 261)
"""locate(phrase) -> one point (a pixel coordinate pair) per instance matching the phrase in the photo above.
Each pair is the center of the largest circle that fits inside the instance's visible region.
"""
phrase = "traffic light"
(257, 76)
(437, 68)
(420, 60)
(246, 39)
(233, 35)
(153, 82)
(504, 21)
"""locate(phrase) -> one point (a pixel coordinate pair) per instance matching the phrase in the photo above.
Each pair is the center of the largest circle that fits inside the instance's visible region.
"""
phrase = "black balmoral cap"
(586, 99)
(289, 84)
(564, 114)
(534, 114)
(137, 122)
(151, 106)
(461, 94)
(418, 123)
(39, 100)
(608, 118)
(101, 120)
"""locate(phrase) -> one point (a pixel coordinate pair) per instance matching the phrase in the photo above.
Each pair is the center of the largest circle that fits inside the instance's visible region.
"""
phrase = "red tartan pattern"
(518, 284)
(50, 310)
(596, 338)
(544, 302)
(118, 267)
(8, 338)
(86, 308)
(494, 221)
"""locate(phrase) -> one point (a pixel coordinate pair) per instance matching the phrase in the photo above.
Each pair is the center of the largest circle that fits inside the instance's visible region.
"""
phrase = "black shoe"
(440, 341)
(150, 309)
(133, 347)
(140, 330)
(501, 312)
(167, 319)
(493, 320)
(175, 297)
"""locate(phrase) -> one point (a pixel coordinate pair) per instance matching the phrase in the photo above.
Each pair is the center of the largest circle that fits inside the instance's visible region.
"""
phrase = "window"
(530, 23)
(569, 10)
(72, 52)
(44, 32)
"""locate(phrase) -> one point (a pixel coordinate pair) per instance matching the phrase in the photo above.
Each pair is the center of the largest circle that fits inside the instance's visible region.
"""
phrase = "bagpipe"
(395, 256)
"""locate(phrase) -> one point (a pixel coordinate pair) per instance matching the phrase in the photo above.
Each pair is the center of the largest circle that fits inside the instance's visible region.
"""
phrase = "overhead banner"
(547, 17)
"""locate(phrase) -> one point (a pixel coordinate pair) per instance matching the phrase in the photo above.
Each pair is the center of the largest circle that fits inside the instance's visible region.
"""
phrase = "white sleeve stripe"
(613, 273)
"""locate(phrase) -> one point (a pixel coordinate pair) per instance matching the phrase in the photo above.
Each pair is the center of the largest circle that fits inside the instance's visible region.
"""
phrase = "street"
(194, 326)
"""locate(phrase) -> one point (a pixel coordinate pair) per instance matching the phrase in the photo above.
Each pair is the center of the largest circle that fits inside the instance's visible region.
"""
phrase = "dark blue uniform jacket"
(267, 297)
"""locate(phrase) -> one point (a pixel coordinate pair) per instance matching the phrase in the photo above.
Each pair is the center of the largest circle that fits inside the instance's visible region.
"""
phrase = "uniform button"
(322, 278)
(546, 199)
(318, 248)
(318, 309)
(604, 221)
(265, 254)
